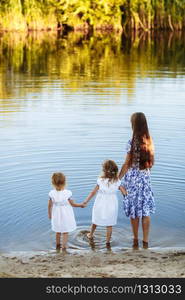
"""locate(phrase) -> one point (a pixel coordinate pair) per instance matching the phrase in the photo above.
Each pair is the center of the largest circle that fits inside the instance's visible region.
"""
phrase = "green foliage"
(11, 16)
(97, 14)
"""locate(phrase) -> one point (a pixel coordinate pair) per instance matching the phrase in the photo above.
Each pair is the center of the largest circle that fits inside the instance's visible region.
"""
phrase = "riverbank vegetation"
(92, 15)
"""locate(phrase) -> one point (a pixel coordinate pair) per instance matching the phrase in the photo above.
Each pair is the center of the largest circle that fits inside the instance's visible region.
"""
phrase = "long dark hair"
(142, 148)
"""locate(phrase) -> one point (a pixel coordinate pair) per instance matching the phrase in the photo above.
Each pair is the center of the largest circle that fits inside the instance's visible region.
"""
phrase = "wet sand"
(95, 264)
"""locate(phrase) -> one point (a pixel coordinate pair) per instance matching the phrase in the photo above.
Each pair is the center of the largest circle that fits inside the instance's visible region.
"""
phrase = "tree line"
(89, 15)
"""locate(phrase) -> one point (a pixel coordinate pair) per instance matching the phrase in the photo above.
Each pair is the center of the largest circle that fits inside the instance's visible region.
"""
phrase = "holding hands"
(83, 204)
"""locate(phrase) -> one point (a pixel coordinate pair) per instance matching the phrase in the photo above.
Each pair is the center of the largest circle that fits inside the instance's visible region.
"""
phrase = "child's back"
(62, 212)
(60, 209)
(105, 209)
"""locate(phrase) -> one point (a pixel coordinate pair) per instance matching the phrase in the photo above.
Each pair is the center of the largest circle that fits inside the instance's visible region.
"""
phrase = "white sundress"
(105, 208)
(62, 219)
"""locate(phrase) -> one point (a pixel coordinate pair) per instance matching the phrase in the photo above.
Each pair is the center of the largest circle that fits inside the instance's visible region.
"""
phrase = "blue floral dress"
(139, 202)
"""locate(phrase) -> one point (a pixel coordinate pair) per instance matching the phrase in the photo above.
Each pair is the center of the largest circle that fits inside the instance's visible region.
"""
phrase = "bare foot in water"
(64, 250)
(89, 236)
(108, 246)
(58, 247)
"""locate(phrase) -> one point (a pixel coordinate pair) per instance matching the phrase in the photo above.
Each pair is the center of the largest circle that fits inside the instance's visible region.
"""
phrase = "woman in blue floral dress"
(139, 201)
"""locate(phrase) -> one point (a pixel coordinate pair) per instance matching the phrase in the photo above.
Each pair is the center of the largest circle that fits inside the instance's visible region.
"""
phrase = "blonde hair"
(58, 180)
(110, 170)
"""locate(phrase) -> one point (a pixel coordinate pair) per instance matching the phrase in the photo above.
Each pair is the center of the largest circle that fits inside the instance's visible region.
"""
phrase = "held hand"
(125, 192)
(84, 204)
(49, 217)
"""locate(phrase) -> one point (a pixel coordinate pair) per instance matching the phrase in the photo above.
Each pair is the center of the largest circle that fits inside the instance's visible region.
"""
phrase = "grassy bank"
(89, 15)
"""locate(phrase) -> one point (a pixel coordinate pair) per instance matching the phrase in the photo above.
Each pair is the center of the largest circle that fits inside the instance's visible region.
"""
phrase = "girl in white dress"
(60, 209)
(105, 209)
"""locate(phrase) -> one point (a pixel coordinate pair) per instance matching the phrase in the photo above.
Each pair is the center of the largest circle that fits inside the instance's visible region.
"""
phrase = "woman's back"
(141, 153)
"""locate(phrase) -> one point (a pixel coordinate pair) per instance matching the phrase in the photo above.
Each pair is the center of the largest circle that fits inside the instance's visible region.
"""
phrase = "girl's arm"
(123, 190)
(50, 204)
(74, 204)
(92, 193)
(125, 166)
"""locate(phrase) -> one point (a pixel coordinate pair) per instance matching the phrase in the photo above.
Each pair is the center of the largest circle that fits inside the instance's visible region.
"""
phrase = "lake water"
(65, 105)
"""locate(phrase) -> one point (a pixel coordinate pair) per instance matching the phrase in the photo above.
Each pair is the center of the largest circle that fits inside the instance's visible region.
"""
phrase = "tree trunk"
(170, 22)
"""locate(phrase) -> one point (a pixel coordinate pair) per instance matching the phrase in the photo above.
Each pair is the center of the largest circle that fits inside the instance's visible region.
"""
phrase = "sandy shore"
(125, 264)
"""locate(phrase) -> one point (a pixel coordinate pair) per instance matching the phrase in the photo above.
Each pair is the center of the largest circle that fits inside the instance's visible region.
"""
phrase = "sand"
(95, 264)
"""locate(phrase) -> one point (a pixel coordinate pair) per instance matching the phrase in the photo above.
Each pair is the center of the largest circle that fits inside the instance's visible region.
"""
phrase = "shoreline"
(128, 263)
(89, 31)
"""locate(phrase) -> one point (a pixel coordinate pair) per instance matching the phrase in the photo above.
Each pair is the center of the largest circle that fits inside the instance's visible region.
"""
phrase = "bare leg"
(64, 240)
(146, 228)
(135, 229)
(109, 234)
(93, 228)
(58, 235)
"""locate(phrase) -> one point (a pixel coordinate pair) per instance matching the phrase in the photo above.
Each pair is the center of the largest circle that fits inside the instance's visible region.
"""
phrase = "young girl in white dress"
(60, 209)
(105, 209)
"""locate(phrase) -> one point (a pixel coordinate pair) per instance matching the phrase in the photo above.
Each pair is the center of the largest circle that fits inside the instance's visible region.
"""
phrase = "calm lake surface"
(65, 105)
